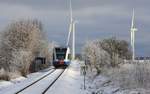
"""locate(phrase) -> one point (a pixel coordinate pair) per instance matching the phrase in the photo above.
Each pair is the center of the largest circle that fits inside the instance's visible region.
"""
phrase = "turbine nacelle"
(134, 29)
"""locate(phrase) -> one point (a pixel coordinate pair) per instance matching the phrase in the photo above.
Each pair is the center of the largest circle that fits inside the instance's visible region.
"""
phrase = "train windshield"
(60, 53)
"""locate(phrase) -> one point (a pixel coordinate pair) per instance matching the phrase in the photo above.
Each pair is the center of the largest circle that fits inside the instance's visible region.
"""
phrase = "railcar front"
(61, 57)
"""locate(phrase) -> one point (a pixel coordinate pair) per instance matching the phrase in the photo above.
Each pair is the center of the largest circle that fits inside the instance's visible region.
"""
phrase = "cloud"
(97, 18)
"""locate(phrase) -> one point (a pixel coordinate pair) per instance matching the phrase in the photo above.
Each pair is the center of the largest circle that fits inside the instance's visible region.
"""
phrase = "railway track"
(36, 81)
(52, 83)
(41, 85)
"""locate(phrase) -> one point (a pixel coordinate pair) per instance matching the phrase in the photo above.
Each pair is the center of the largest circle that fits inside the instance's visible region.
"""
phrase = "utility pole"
(84, 73)
(133, 30)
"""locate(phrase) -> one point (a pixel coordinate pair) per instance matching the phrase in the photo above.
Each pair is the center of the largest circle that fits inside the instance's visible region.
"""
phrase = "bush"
(4, 75)
(131, 76)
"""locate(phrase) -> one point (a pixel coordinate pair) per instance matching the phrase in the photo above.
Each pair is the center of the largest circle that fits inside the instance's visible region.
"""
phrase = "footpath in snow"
(71, 82)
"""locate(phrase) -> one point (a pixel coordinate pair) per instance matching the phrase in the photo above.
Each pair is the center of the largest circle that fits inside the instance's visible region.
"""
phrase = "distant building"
(38, 64)
(142, 58)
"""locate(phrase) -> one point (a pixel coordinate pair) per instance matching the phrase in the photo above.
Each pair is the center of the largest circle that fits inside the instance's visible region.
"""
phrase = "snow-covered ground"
(18, 83)
(101, 85)
(71, 82)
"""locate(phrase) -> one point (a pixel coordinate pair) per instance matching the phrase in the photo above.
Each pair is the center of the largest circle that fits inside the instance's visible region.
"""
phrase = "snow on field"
(104, 85)
(101, 85)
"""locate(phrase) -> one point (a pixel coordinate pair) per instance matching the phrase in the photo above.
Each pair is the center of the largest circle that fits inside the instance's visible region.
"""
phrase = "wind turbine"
(133, 30)
(72, 30)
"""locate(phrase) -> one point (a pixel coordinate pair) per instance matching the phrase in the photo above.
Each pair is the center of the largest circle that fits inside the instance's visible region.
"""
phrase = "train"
(61, 57)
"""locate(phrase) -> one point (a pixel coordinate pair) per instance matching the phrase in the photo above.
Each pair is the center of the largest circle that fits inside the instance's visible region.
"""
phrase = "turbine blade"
(132, 24)
(71, 17)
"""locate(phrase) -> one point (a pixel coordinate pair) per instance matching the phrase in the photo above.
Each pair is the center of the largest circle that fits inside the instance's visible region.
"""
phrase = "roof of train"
(62, 47)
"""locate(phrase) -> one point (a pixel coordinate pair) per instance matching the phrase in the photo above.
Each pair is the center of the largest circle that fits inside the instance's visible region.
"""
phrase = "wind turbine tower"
(73, 41)
(72, 30)
(133, 30)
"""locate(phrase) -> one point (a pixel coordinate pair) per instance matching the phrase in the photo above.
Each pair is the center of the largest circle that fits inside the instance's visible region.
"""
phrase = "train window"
(60, 53)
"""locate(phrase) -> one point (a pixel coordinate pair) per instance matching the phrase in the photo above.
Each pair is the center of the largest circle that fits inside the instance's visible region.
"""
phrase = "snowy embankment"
(126, 79)
(18, 83)
(103, 85)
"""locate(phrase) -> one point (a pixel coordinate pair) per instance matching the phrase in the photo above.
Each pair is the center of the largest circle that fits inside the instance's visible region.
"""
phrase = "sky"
(96, 19)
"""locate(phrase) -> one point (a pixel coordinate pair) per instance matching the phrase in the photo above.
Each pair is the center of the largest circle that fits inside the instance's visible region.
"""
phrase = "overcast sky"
(97, 19)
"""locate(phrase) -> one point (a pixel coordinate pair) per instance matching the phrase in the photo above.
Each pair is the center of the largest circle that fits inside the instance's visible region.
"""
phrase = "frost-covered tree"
(97, 57)
(20, 61)
(21, 42)
(107, 52)
(117, 49)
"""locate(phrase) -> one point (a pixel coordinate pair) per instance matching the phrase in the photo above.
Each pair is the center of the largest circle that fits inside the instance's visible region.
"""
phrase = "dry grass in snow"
(131, 76)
